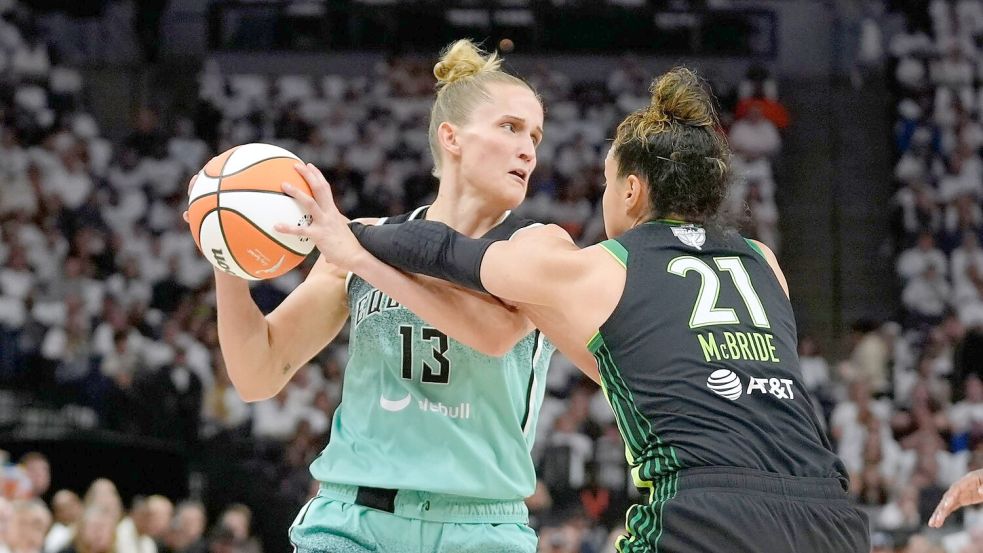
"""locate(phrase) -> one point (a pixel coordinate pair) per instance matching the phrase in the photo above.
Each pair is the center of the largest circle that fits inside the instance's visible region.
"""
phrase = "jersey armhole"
(617, 251)
(756, 248)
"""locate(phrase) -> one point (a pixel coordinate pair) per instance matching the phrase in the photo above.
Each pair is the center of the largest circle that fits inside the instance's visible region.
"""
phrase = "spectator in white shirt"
(966, 416)
(927, 296)
(276, 418)
(815, 369)
(67, 511)
(16, 278)
(132, 532)
(967, 271)
(185, 147)
(914, 261)
(755, 136)
(901, 513)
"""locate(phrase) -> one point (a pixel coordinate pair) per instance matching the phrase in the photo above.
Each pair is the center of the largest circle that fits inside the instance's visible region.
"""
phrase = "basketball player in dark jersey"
(686, 326)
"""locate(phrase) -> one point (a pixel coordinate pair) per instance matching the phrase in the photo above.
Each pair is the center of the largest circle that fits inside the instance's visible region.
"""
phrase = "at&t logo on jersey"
(725, 383)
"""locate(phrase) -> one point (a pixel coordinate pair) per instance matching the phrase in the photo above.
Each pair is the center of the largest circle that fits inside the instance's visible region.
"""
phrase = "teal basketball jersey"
(420, 411)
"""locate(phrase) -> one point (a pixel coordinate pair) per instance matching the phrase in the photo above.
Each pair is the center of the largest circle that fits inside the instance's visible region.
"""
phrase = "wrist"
(360, 260)
(228, 279)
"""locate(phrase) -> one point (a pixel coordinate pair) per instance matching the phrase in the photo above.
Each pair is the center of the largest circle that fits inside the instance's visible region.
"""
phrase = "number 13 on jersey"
(441, 374)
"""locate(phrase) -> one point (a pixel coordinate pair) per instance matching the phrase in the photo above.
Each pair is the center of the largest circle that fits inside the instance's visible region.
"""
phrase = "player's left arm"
(773, 263)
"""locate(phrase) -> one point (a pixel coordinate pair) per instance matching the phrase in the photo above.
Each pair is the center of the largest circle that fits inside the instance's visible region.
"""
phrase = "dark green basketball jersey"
(699, 360)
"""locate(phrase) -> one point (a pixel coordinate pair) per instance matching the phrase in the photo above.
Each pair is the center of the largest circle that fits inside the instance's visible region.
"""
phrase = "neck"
(461, 209)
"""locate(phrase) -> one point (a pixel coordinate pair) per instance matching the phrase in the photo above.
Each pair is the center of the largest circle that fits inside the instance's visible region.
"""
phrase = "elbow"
(497, 346)
(252, 393)
(250, 388)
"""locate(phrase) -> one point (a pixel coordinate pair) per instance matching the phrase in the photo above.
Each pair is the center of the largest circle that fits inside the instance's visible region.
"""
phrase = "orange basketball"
(234, 205)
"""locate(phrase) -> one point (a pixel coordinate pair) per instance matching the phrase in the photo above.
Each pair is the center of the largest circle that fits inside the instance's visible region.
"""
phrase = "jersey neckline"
(673, 222)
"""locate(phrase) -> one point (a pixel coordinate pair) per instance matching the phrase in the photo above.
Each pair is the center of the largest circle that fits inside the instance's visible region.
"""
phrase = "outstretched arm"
(568, 293)
(476, 320)
(531, 270)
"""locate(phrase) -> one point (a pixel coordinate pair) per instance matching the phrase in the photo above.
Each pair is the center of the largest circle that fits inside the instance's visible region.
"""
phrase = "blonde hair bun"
(461, 60)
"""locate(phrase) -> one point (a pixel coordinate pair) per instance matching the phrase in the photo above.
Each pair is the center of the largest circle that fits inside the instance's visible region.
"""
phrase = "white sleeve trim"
(525, 228)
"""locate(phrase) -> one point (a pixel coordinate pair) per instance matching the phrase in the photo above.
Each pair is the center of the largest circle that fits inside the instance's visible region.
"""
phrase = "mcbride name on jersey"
(420, 411)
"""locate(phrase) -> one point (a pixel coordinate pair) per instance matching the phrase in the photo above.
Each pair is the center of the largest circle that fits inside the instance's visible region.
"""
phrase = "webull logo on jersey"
(726, 384)
(460, 411)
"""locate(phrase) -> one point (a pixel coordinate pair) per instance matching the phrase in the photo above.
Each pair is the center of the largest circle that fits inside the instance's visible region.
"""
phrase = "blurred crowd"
(107, 316)
(369, 135)
(99, 522)
(908, 419)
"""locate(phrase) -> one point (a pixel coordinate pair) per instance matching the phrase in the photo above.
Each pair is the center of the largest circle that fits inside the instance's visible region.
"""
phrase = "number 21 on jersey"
(705, 311)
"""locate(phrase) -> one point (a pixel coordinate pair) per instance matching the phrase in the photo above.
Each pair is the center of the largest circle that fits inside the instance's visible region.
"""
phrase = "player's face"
(616, 219)
(498, 144)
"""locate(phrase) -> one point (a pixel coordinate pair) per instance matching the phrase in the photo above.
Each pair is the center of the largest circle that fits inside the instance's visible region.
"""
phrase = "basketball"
(234, 205)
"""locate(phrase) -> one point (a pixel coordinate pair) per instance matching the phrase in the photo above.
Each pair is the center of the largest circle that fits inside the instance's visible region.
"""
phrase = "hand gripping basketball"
(234, 203)
(328, 228)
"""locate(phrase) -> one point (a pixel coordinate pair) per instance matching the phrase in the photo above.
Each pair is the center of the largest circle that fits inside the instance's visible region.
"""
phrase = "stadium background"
(856, 129)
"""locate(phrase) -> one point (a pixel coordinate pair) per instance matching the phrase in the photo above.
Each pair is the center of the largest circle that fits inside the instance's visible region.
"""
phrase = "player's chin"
(512, 194)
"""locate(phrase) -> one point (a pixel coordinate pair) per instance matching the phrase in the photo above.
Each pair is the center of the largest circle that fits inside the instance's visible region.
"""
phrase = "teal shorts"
(331, 522)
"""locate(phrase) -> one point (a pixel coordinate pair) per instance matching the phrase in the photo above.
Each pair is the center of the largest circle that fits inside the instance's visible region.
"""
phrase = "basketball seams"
(249, 153)
(221, 228)
(228, 153)
(273, 239)
(201, 225)
(241, 190)
(253, 164)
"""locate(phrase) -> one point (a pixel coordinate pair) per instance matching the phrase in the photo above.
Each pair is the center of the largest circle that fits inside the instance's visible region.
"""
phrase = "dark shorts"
(709, 510)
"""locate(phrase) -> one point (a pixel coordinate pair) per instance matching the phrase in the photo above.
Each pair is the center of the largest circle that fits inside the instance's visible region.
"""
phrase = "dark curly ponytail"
(677, 146)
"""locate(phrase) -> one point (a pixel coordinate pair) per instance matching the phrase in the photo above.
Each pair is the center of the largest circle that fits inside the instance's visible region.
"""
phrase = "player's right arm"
(262, 352)
(773, 263)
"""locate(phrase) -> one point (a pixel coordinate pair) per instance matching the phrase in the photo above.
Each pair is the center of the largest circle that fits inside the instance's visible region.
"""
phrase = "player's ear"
(448, 139)
(635, 195)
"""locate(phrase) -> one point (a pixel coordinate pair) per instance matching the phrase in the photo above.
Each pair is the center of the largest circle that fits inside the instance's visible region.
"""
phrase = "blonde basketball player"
(429, 448)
